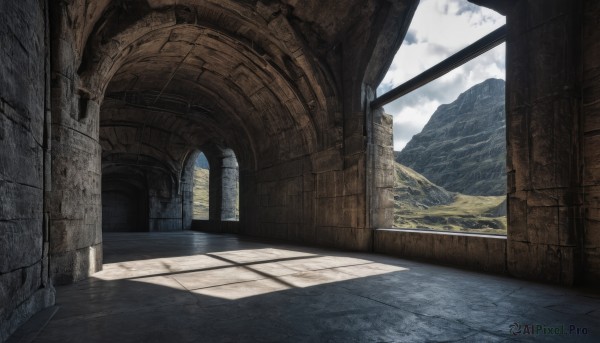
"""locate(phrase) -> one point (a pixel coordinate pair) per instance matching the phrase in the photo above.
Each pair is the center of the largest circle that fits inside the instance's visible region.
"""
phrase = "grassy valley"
(420, 204)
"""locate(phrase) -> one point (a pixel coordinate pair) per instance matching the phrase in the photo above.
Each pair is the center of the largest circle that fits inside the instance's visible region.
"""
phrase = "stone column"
(74, 205)
(591, 139)
(229, 178)
(543, 96)
(186, 189)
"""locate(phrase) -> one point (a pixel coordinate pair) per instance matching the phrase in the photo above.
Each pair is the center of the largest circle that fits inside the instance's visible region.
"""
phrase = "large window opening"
(449, 134)
(216, 186)
(201, 188)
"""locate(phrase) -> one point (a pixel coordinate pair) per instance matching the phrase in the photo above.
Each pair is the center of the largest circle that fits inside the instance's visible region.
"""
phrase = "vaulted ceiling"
(262, 77)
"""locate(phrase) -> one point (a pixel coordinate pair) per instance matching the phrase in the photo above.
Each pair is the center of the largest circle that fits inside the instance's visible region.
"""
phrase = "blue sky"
(439, 29)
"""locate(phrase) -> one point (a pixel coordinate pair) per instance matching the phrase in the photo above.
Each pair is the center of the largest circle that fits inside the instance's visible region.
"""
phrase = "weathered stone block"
(301, 233)
(68, 267)
(309, 208)
(294, 208)
(18, 201)
(591, 156)
(383, 198)
(548, 263)
(570, 218)
(354, 144)
(543, 225)
(350, 211)
(382, 135)
(327, 160)
(517, 216)
(517, 145)
(73, 234)
(329, 211)
(21, 242)
(352, 180)
(40, 299)
(18, 285)
(591, 116)
(21, 155)
(592, 264)
(330, 184)
(344, 237)
(553, 58)
(383, 178)
(382, 218)
(591, 90)
(383, 157)
(295, 185)
(592, 232)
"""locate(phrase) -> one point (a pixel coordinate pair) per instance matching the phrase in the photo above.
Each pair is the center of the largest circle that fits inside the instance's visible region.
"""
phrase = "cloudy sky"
(439, 29)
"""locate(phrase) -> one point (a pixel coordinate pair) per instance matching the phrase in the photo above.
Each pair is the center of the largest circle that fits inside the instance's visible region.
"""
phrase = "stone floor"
(196, 287)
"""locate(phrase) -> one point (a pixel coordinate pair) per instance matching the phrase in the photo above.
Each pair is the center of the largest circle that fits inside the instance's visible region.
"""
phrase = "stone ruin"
(114, 100)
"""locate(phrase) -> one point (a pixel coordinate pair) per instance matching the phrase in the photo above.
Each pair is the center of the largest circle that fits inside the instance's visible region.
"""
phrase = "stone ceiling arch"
(272, 83)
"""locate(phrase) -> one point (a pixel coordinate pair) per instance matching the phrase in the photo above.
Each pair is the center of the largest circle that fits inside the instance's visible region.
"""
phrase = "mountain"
(413, 190)
(463, 146)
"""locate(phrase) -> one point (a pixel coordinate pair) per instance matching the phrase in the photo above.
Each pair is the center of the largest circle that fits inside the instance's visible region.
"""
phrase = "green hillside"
(201, 193)
(420, 204)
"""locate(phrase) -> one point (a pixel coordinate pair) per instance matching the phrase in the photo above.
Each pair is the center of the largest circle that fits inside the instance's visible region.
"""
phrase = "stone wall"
(312, 200)
(472, 251)
(24, 111)
(591, 139)
(543, 97)
(272, 203)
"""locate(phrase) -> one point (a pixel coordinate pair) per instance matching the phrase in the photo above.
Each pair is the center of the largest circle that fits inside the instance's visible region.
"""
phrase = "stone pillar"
(215, 188)
(248, 204)
(543, 97)
(24, 144)
(187, 190)
(591, 139)
(381, 171)
(229, 178)
(75, 211)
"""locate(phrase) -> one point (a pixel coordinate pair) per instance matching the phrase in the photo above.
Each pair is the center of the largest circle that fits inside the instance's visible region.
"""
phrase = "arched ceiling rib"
(264, 76)
(261, 80)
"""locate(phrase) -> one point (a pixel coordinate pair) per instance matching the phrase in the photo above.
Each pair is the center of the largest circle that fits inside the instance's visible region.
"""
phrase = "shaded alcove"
(124, 205)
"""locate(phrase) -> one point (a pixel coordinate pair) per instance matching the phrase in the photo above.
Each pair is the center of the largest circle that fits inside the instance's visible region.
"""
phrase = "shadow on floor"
(221, 288)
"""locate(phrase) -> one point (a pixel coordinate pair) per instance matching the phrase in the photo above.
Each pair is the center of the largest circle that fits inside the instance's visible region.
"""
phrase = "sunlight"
(238, 274)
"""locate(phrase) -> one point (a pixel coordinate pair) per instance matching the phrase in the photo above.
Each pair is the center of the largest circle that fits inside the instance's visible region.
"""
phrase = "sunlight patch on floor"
(239, 274)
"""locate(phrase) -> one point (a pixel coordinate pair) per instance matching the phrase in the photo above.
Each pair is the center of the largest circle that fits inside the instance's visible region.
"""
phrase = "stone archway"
(144, 83)
(124, 206)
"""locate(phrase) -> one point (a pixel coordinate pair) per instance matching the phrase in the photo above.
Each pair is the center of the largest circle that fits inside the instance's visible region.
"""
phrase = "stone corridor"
(198, 287)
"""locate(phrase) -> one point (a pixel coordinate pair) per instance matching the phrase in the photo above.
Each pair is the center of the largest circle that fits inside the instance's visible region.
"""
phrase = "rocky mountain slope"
(413, 190)
(463, 146)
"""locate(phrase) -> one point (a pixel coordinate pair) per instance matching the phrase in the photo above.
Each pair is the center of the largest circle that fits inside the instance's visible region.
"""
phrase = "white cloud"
(439, 29)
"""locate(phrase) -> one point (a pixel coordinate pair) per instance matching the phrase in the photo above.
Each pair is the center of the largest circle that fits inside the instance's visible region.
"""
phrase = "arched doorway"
(124, 206)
